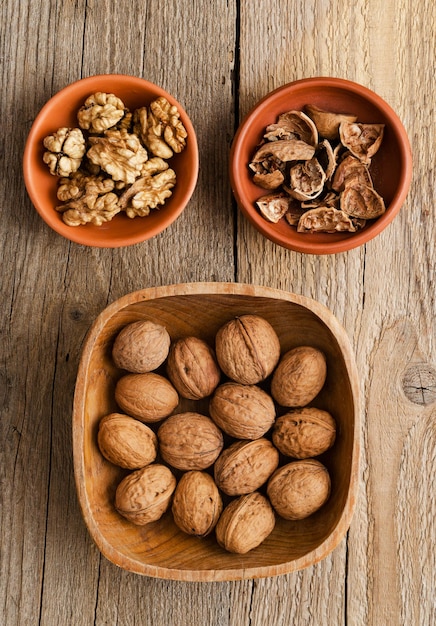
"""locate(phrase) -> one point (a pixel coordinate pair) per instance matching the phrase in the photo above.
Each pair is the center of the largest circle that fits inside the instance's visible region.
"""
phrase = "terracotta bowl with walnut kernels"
(160, 549)
(391, 166)
(61, 110)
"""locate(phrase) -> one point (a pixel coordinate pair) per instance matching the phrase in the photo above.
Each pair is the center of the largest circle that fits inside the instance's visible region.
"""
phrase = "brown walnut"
(148, 397)
(245, 523)
(144, 495)
(298, 489)
(242, 411)
(197, 503)
(192, 368)
(141, 346)
(304, 433)
(245, 466)
(126, 442)
(247, 349)
(189, 441)
(299, 376)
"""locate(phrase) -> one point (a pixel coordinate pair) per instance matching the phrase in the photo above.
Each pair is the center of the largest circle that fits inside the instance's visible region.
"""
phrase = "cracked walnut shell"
(299, 376)
(298, 489)
(192, 368)
(126, 442)
(197, 503)
(304, 433)
(245, 466)
(144, 495)
(242, 411)
(149, 397)
(247, 349)
(141, 346)
(245, 523)
(189, 441)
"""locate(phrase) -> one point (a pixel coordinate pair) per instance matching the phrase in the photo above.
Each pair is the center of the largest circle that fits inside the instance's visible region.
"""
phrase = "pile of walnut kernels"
(115, 160)
(235, 469)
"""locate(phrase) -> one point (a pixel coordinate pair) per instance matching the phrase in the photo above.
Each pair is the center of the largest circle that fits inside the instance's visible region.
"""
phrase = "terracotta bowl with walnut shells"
(61, 111)
(161, 549)
(390, 167)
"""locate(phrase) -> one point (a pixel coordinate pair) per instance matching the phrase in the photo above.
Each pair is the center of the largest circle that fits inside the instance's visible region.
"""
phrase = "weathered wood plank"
(384, 294)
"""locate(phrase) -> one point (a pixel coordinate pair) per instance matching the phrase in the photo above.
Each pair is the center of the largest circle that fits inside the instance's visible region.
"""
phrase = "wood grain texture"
(217, 59)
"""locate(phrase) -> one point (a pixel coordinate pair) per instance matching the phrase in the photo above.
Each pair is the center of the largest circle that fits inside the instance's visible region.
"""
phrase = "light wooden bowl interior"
(160, 549)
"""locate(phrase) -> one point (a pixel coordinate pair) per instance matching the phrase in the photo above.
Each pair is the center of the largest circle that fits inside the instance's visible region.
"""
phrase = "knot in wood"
(419, 384)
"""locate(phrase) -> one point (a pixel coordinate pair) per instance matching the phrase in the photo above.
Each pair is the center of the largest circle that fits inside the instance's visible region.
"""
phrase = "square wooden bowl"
(160, 549)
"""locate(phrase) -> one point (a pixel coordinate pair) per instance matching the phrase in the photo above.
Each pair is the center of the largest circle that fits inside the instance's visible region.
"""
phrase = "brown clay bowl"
(391, 167)
(160, 549)
(61, 110)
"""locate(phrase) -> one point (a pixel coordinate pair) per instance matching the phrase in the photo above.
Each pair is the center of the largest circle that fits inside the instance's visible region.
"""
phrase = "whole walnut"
(245, 523)
(299, 376)
(197, 503)
(149, 397)
(126, 442)
(144, 495)
(189, 441)
(298, 489)
(245, 466)
(247, 349)
(304, 433)
(242, 411)
(192, 368)
(141, 346)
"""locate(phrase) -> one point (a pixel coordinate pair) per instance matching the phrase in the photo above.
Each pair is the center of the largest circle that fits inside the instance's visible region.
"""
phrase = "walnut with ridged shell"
(247, 348)
(197, 503)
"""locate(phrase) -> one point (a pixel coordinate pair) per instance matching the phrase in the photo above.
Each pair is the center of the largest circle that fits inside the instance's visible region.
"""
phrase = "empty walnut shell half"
(144, 495)
(304, 433)
(362, 201)
(141, 346)
(327, 122)
(326, 219)
(247, 349)
(126, 442)
(284, 150)
(189, 441)
(306, 180)
(197, 503)
(242, 411)
(299, 376)
(274, 206)
(192, 368)
(149, 397)
(245, 466)
(298, 489)
(245, 523)
(362, 140)
(293, 125)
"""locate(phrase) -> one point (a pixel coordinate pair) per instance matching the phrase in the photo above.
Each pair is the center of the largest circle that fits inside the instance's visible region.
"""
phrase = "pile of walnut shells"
(115, 160)
(316, 166)
(235, 469)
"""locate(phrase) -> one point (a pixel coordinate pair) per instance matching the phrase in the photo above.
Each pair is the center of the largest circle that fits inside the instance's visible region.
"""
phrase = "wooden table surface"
(218, 58)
